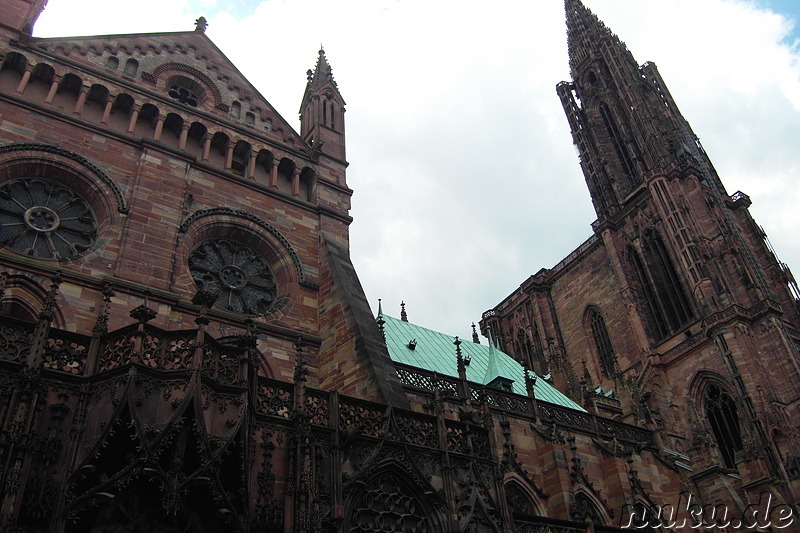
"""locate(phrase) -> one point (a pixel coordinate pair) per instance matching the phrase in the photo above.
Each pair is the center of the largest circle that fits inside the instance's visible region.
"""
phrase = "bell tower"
(686, 246)
(623, 119)
(322, 111)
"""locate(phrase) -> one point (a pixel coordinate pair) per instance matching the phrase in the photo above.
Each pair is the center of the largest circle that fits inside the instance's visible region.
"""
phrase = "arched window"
(602, 342)
(669, 290)
(620, 148)
(666, 307)
(723, 417)
(585, 509)
(520, 504)
(236, 110)
(389, 503)
(131, 67)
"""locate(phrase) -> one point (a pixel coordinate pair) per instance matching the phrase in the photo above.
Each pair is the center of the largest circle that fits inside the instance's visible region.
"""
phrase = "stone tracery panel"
(385, 505)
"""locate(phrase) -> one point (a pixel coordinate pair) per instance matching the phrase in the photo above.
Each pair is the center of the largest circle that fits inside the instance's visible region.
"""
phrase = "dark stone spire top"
(322, 74)
(586, 34)
(403, 315)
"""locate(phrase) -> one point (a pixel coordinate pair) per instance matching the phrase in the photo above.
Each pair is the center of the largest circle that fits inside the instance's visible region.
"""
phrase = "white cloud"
(465, 178)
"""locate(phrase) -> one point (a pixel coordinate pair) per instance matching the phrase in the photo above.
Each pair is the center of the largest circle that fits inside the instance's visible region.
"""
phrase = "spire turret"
(623, 120)
(322, 111)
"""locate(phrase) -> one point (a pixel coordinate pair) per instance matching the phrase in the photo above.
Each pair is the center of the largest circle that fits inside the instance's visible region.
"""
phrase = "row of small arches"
(112, 61)
(121, 113)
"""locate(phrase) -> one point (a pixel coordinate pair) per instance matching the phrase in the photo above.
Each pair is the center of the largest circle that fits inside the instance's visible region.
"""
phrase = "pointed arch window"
(519, 502)
(620, 148)
(602, 342)
(666, 306)
(723, 417)
(585, 510)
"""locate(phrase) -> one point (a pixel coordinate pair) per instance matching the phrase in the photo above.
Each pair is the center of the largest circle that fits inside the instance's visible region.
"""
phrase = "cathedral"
(185, 345)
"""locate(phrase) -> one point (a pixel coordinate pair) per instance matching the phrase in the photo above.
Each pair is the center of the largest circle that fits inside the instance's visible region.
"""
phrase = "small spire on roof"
(475, 337)
(200, 25)
(403, 315)
(461, 362)
(379, 319)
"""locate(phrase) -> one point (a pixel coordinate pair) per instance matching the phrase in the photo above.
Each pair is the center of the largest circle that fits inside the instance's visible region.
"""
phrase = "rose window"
(183, 95)
(238, 278)
(45, 219)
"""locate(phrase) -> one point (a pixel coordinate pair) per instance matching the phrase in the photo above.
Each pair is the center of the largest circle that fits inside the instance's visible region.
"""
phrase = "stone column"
(206, 146)
(52, 93)
(184, 135)
(134, 117)
(26, 76)
(251, 168)
(81, 101)
(296, 182)
(107, 111)
(159, 127)
(229, 156)
(273, 174)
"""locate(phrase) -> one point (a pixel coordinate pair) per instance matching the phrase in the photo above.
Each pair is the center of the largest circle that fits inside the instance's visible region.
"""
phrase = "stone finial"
(461, 361)
(300, 367)
(101, 325)
(403, 315)
(380, 320)
(475, 337)
(200, 25)
(49, 307)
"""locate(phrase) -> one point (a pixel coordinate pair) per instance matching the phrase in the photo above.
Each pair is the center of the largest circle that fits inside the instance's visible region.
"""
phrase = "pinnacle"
(585, 32)
(323, 72)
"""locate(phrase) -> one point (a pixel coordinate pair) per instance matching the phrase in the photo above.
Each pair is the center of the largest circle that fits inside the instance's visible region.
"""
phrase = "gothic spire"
(586, 34)
(322, 73)
(322, 111)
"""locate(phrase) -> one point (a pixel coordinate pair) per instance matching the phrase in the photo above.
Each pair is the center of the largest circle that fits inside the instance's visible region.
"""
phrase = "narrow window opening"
(602, 342)
(619, 147)
(723, 417)
(131, 67)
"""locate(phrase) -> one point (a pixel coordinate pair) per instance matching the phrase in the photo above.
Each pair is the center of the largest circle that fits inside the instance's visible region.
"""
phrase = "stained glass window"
(45, 219)
(238, 277)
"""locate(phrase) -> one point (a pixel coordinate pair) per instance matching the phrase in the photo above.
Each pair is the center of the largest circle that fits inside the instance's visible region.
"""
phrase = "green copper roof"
(435, 351)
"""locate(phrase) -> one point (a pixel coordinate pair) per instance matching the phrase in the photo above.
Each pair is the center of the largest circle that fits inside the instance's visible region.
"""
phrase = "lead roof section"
(435, 352)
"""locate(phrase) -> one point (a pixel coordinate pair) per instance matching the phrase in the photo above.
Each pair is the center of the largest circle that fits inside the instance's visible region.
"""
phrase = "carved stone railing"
(275, 398)
(367, 418)
(421, 379)
(15, 340)
(622, 431)
(417, 378)
(151, 347)
(318, 407)
(566, 417)
(66, 352)
(416, 429)
(504, 400)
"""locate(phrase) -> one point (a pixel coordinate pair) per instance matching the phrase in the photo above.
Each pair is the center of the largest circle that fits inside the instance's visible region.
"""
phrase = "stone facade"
(185, 345)
(701, 319)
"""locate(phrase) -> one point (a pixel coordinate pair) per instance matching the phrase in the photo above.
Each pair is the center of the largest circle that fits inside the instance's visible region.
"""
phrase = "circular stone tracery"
(44, 219)
(238, 278)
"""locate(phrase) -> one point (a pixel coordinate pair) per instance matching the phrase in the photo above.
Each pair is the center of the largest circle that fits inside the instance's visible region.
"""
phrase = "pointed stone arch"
(522, 501)
(587, 508)
(389, 500)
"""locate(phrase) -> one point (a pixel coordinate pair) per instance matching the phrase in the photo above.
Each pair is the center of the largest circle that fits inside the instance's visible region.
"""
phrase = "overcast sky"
(466, 181)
